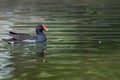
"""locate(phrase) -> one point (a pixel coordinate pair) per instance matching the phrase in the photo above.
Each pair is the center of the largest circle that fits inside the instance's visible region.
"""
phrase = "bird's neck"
(39, 32)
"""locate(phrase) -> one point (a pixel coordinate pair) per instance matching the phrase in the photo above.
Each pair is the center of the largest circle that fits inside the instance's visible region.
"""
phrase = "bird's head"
(40, 28)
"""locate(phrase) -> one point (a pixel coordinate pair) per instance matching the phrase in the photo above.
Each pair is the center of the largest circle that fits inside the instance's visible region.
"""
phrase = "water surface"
(83, 40)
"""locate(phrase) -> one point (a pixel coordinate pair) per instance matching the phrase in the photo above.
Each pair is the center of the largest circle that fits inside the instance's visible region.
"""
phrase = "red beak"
(44, 27)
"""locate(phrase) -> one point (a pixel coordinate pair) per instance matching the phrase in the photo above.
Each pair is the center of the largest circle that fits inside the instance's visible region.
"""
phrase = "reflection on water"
(38, 50)
(4, 61)
(18, 55)
(82, 41)
(41, 51)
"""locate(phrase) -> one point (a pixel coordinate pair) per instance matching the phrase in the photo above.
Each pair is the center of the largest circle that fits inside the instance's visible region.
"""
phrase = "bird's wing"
(21, 36)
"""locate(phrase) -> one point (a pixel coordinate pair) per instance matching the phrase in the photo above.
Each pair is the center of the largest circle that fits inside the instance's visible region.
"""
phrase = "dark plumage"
(22, 38)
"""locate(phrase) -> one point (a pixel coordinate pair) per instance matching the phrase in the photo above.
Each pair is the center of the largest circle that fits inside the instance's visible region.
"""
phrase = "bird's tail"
(10, 32)
(9, 40)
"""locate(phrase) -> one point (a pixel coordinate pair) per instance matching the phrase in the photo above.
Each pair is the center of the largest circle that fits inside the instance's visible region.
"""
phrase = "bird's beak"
(46, 30)
(44, 27)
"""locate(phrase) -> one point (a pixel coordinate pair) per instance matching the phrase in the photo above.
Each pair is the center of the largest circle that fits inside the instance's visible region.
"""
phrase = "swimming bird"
(26, 38)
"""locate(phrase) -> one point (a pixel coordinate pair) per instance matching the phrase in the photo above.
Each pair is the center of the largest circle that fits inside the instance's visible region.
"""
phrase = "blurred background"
(83, 40)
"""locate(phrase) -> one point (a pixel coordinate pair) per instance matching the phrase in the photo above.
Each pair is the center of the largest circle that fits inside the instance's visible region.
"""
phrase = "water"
(83, 40)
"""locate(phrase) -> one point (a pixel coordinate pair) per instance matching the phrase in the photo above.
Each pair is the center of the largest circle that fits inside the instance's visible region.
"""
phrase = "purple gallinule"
(26, 38)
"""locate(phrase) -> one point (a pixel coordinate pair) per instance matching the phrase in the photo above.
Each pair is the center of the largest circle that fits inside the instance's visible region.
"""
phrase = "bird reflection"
(29, 52)
(41, 52)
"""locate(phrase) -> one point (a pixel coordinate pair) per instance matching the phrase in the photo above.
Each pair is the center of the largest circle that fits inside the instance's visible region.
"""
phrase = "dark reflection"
(29, 52)
(41, 51)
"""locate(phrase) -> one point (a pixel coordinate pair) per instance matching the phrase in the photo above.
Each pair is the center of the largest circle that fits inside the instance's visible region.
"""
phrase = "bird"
(26, 38)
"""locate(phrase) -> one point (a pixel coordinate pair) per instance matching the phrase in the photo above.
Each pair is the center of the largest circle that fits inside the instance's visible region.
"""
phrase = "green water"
(83, 41)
